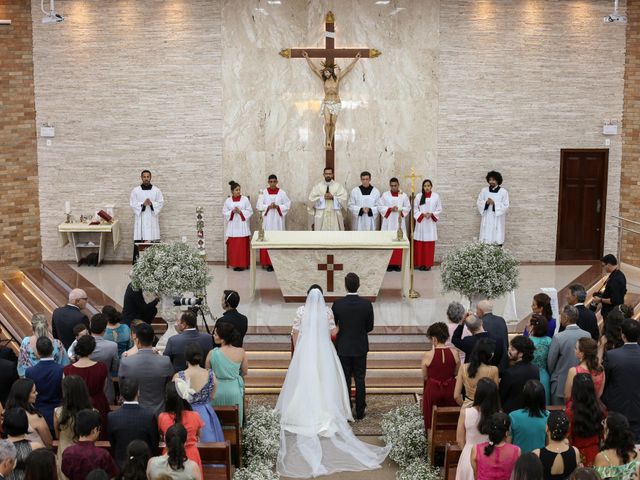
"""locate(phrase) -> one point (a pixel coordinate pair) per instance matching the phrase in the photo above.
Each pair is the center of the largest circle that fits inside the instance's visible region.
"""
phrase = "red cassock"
(238, 252)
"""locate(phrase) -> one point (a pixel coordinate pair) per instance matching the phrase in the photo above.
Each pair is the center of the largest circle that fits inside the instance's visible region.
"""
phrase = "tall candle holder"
(261, 224)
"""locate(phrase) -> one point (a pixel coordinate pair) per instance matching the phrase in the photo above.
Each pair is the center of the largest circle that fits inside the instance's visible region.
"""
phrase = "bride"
(315, 436)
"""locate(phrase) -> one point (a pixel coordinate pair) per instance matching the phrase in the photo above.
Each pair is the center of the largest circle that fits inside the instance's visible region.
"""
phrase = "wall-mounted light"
(5, 22)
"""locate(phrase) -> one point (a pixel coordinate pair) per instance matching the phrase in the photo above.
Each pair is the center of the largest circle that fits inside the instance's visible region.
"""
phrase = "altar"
(302, 258)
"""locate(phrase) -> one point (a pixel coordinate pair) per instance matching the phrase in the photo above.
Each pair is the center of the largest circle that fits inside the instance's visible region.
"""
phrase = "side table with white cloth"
(85, 237)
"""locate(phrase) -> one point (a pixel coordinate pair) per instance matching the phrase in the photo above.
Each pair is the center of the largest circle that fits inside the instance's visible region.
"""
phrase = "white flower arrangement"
(170, 269)
(256, 471)
(419, 469)
(479, 269)
(261, 437)
(403, 429)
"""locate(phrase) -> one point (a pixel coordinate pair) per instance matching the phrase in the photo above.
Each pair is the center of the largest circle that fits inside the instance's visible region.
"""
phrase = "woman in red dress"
(439, 369)
(94, 375)
(178, 410)
(585, 413)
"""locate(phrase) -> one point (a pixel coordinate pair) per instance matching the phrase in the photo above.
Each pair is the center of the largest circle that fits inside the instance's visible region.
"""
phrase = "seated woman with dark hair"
(479, 366)
(618, 459)
(23, 395)
(439, 367)
(116, 331)
(541, 305)
(229, 364)
(495, 459)
(15, 425)
(558, 458)
(612, 334)
(586, 413)
(41, 465)
(529, 424)
(174, 463)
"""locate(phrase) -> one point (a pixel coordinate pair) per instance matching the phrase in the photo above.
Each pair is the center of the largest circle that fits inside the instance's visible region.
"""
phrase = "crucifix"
(330, 75)
(330, 267)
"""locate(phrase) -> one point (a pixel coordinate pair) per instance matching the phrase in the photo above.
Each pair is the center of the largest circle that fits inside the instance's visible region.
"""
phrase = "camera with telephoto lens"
(187, 301)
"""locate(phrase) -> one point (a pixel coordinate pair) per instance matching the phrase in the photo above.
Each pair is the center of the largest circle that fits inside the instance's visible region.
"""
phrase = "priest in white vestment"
(146, 201)
(274, 204)
(427, 208)
(237, 211)
(394, 207)
(493, 203)
(328, 198)
(362, 205)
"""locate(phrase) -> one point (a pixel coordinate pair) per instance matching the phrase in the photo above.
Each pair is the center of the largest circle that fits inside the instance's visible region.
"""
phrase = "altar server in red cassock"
(427, 208)
(394, 206)
(273, 203)
(237, 211)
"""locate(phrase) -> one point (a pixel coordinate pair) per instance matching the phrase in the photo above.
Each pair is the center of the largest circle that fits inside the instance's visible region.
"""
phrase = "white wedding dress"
(315, 436)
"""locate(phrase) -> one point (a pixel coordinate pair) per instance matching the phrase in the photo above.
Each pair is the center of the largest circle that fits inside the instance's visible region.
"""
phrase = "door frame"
(563, 154)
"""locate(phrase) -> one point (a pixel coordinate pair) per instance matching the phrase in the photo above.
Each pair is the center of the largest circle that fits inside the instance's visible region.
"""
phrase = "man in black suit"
(354, 319)
(615, 289)
(47, 375)
(135, 306)
(622, 384)
(67, 317)
(188, 328)
(587, 320)
(496, 327)
(520, 351)
(466, 344)
(8, 375)
(131, 422)
(230, 302)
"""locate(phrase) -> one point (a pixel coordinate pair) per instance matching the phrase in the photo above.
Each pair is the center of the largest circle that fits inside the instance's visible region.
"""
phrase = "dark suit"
(354, 318)
(8, 375)
(615, 290)
(587, 321)
(131, 422)
(622, 387)
(466, 344)
(152, 372)
(63, 321)
(497, 328)
(47, 375)
(134, 306)
(238, 320)
(7, 354)
(512, 383)
(178, 343)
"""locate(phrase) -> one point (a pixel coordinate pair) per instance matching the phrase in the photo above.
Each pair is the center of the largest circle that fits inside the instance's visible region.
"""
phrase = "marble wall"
(195, 90)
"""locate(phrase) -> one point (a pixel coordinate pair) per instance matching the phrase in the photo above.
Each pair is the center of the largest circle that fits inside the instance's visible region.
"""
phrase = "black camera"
(187, 301)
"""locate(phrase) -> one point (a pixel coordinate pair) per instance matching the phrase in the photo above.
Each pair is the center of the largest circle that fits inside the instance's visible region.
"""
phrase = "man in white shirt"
(493, 203)
(146, 201)
(394, 207)
(362, 204)
(274, 203)
(328, 198)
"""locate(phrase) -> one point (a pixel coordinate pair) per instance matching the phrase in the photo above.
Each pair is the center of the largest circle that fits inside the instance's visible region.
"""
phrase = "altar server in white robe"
(394, 207)
(146, 201)
(427, 208)
(328, 199)
(493, 203)
(362, 204)
(237, 211)
(274, 204)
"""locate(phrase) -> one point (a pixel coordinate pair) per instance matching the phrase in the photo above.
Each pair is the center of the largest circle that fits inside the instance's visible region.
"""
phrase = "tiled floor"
(268, 308)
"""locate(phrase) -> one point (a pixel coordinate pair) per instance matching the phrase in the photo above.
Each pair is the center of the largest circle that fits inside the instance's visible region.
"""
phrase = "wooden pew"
(216, 460)
(451, 456)
(444, 423)
(229, 417)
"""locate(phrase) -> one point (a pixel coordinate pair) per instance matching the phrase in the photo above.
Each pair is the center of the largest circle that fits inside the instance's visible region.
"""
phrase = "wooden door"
(582, 204)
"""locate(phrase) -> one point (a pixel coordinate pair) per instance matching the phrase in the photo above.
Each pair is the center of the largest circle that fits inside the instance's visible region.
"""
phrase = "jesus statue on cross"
(331, 75)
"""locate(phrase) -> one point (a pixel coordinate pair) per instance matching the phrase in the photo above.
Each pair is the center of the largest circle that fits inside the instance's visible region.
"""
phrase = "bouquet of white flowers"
(403, 429)
(479, 269)
(170, 269)
(261, 436)
(256, 471)
(418, 469)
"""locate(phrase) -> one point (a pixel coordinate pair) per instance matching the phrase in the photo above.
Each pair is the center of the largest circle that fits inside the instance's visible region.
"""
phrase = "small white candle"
(67, 207)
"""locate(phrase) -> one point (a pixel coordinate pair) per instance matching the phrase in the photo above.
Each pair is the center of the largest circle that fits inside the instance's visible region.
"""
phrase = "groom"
(354, 319)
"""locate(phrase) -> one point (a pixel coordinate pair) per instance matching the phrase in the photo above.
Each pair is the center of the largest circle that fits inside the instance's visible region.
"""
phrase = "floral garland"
(170, 269)
(261, 443)
(479, 269)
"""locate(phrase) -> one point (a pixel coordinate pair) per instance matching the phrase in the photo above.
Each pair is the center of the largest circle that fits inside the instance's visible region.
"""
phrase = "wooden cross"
(330, 267)
(330, 53)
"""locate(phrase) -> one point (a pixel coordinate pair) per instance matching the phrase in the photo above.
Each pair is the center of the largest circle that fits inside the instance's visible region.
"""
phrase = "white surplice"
(425, 229)
(328, 214)
(314, 407)
(237, 225)
(390, 218)
(493, 217)
(146, 226)
(274, 219)
(357, 201)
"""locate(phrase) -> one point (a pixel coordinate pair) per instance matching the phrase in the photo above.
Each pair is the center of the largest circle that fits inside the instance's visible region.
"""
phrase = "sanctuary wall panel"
(19, 217)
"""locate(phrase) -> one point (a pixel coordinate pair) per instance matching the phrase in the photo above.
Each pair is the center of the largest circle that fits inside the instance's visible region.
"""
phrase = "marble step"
(375, 359)
(376, 377)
